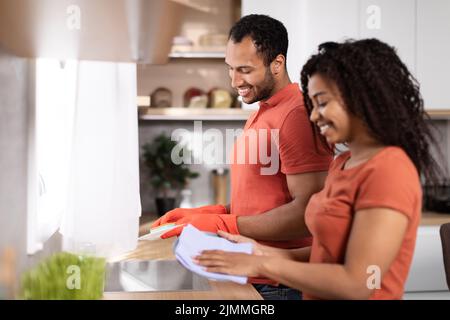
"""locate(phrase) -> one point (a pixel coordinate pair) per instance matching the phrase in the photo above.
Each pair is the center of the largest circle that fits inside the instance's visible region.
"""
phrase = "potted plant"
(166, 177)
(65, 276)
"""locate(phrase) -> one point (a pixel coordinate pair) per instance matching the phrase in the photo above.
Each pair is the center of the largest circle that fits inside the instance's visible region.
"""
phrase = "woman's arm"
(299, 254)
(374, 242)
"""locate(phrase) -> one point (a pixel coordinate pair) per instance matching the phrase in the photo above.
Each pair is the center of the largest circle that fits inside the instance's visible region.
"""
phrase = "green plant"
(65, 276)
(165, 174)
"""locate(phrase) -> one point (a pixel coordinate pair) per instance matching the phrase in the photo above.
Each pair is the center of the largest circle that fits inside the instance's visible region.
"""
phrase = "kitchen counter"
(430, 218)
(162, 249)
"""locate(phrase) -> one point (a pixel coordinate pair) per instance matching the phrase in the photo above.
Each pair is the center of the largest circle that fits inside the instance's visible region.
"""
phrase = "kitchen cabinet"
(419, 29)
(289, 14)
(321, 21)
(427, 269)
(392, 22)
(197, 55)
(426, 279)
(309, 23)
(433, 52)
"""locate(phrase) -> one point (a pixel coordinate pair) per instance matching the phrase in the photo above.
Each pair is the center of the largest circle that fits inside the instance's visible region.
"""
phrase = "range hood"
(109, 30)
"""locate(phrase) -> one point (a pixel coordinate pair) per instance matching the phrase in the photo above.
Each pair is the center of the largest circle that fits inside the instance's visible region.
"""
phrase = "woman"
(364, 221)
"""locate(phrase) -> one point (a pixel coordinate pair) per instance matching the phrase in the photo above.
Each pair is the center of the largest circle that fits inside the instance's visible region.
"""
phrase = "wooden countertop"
(434, 218)
(162, 250)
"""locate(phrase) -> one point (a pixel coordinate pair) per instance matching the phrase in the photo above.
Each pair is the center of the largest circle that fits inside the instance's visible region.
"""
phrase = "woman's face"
(336, 124)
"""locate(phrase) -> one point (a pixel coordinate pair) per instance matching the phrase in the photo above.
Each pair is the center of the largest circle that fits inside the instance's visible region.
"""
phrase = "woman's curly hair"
(377, 87)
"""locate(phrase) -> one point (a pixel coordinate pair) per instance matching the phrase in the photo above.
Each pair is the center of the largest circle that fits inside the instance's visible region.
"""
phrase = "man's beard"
(265, 88)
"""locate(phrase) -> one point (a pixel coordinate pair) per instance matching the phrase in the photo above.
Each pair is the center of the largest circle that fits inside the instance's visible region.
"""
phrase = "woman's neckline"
(348, 156)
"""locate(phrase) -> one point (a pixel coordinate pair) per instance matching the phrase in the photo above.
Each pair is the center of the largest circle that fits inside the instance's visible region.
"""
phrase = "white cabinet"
(309, 23)
(392, 22)
(325, 20)
(419, 29)
(289, 13)
(427, 270)
(433, 52)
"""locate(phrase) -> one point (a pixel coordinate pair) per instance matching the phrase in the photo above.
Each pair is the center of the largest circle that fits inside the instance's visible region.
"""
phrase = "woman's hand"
(258, 249)
(231, 262)
(242, 264)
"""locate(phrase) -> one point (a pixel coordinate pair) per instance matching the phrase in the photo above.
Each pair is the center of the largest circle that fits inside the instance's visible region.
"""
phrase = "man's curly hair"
(377, 87)
(268, 34)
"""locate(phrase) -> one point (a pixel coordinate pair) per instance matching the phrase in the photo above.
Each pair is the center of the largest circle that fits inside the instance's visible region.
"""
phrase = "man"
(266, 207)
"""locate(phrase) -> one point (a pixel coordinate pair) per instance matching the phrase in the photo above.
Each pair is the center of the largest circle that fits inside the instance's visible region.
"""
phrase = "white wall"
(14, 113)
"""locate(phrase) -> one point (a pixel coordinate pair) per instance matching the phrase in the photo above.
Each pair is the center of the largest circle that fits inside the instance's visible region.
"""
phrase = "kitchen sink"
(152, 275)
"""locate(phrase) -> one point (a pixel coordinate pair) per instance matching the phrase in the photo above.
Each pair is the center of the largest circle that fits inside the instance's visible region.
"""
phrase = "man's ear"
(278, 64)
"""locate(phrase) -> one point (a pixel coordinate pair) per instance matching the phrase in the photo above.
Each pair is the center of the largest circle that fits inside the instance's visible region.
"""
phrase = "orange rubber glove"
(209, 223)
(180, 213)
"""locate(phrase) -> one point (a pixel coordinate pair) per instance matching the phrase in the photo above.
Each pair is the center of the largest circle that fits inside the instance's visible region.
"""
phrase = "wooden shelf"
(198, 55)
(436, 114)
(227, 114)
(146, 113)
(430, 218)
(232, 114)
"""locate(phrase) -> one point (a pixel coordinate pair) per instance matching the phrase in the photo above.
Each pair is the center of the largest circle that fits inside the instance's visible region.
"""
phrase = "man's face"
(249, 76)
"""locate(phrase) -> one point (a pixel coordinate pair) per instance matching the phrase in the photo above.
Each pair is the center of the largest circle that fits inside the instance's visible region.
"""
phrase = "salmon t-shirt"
(387, 180)
(277, 140)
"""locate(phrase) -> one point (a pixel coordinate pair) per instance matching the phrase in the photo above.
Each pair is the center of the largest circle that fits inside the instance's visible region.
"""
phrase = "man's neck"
(280, 85)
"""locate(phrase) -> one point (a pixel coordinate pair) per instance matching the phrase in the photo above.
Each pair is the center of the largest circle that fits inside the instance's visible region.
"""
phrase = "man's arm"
(286, 222)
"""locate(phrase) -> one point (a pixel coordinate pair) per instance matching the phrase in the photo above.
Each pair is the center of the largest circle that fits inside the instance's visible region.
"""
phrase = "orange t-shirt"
(389, 180)
(255, 191)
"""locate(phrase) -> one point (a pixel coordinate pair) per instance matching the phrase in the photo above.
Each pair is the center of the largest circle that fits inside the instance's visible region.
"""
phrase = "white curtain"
(49, 149)
(98, 200)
